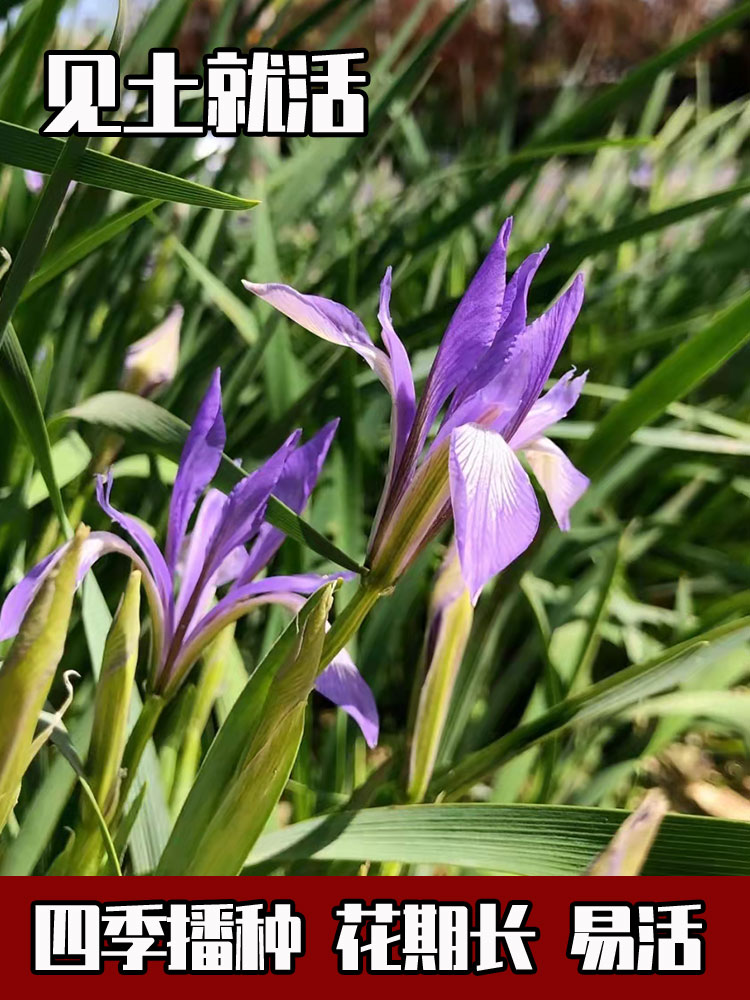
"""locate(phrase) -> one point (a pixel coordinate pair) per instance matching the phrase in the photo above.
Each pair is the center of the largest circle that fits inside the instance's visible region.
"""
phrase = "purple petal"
(98, 544)
(558, 477)
(491, 369)
(217, 619)
(343, 684)
(234, 566)
(194, 554)
(329, 320)
(539, 348)
(495, 510)
(549, 409)
(245, 508)
(473, 327)
(144, 541)
(493, 406)
(198, 464)
(404, 398)
(294, 486)
(284, 590)
(19, 599)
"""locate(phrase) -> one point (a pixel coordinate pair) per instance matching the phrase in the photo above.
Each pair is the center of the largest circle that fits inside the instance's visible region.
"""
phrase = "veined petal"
(558, 477)
(326, 319)
(539, 347)
(245, 508)
(343, 684)
(495, 510)
(155, 560)
(294, 486)
(199, 461)
(404, 397)
(549, 409)
(473, 327)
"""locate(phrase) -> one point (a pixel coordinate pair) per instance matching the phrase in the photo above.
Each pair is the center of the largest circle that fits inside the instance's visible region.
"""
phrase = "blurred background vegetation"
(618, 133)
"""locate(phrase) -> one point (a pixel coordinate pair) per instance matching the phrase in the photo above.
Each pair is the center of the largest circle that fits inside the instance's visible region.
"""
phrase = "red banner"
(525, 934)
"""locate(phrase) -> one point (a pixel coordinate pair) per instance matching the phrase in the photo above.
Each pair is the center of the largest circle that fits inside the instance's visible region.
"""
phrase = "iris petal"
(194, 556)
(144, 541)
(199, 461)
(285, 590)
(493, 362)
(558, 477)
(495, 510)
(549, 409)
(539, 347)
(343, 684)
(473, 327)
(404, 398)
(245, 508)
(98, 544)
(329, 320)
(294, 486)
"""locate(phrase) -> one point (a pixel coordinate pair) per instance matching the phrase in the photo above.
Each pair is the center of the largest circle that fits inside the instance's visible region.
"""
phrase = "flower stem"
(141, 733)
(349, 621)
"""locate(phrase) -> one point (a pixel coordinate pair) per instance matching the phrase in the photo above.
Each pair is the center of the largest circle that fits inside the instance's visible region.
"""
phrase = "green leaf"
(112, 701)
(562, 259)
(731, 709)
(150, 425)
(27, 673)
(43, 811)
(22, 147)
(510, 839)
(157, 29)
(54, 264)
(70, 457)
(150, 822)
(36, 39)
(689, 365)
(96, 838)
(253, 751)
(233, 307)
(600, 701)
(19, 394)
(449, 625)
(38, 232)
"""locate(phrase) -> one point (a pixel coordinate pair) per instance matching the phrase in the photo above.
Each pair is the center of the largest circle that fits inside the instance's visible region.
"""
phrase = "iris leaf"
(512, 839)
(22, 147)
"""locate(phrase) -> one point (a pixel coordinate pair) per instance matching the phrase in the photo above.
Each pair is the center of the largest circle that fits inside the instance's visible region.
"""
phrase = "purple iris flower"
(229, 545)
(490, 370)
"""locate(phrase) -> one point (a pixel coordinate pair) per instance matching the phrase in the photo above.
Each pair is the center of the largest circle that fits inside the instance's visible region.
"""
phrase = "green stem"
(93, 837)
(141, 733)
(347, 624)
